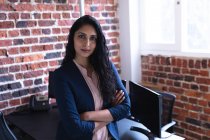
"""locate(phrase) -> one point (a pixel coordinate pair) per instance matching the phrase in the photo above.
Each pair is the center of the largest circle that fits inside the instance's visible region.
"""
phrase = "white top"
(92, 82)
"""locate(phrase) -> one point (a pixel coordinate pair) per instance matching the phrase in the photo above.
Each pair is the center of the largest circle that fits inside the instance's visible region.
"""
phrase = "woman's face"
(85, 41)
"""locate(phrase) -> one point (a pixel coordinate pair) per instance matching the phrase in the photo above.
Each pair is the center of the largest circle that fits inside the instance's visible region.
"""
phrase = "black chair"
(167, 109)
(51, 93)
(5, 132)
(124, 83)
(153, 109)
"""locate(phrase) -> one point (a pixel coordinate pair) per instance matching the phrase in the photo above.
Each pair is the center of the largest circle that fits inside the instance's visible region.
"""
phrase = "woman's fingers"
(119, 97)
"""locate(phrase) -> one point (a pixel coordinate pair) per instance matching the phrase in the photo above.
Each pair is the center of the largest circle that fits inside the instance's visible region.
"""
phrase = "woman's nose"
(87, 42)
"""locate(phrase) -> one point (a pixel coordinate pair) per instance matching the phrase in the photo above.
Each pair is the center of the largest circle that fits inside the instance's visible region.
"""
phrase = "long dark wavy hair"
(99, 59)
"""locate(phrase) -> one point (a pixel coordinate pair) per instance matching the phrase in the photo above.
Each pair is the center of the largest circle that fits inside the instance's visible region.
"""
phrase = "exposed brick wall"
(189, 80)
(33, 35)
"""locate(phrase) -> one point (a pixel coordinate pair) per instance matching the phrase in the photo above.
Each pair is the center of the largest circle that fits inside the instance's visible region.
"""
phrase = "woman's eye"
(93, 38)
(81, 36)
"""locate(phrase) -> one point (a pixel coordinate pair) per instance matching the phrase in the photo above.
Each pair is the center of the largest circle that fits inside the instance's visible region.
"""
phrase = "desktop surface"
(39, 125)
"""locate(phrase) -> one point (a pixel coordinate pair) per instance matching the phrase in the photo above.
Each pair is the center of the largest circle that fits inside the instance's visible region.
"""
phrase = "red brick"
(3, 34)
(64, 7)
(185, 85)
(13, 33)
(64, 22)
(113, 34)
(203, 103)
(30, 40)
(6, 7)
(194, 72)
(25, 32)
(33, 74)
(111, 2)
(6, 24)
(3, 104)
(206, 96)
(25, 100)
(62, 38)
(36, 31)
(24, 7)
(207, 110)
(14, 102)
(72, 1)
(46, 22)
(194, 115)
(24, 49)
(65, 30)
(39, 65)
(204, 117)
(45, 7)
(184, 63)
(204, 73)
(28, 83)
(56, 30)
(110, 8)
(3, 52)
(75, 15)
(56, 15)
(53, 63)
(19, 76)
(25, 16)
(204, 88)
(14, 16)
(203, 81)
(31, 58)
(46, 15)
(13, 51)
(4, 61)
(111, 14)
(66, 15)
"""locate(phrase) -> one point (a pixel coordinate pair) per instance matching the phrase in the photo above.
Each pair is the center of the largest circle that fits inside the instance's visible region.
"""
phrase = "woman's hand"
(85, 116)
(119, 97)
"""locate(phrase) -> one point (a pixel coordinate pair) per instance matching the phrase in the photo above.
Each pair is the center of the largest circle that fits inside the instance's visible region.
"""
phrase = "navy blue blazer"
(73, 97)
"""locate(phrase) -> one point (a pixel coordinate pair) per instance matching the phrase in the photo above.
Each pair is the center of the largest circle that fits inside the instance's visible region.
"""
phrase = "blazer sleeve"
(121, 110)
(70, 117)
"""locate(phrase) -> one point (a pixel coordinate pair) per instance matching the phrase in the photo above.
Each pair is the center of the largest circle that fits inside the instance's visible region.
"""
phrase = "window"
(181, 26)
(198, 25)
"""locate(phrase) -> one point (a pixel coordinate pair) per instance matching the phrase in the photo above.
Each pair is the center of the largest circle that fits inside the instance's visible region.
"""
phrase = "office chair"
(129, 123)
(5, 132)
(124, 83)
(153, 109)
(167, 109)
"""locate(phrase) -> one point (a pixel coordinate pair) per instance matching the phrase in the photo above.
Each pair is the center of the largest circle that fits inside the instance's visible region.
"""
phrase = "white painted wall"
(129, 16)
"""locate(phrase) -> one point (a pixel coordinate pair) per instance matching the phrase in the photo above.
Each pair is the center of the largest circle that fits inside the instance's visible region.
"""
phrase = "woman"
(88, 89)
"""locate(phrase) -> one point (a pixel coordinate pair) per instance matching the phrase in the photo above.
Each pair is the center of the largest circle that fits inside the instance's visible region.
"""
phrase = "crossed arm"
(102, 117)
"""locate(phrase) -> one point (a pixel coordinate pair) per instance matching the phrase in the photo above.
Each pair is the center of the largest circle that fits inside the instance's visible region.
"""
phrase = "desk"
(39, 125)
(125, 124)
(43, 125)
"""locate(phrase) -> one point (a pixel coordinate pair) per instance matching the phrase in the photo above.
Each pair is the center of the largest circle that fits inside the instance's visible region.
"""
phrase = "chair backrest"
(146, 106)
(168, 100)
(5, 132)
(51, 93)
(124, 83)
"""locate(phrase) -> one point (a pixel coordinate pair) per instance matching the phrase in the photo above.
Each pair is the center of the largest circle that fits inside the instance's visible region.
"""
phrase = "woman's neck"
(82, 62)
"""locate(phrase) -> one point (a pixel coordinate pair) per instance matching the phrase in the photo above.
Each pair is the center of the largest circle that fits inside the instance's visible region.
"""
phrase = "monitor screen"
(146, 106)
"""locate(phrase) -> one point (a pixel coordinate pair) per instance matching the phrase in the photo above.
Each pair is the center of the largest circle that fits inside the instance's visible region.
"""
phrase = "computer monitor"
(146, 106)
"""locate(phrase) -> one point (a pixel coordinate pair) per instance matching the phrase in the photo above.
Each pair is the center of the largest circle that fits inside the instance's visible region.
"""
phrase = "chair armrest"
(143, 131)
(167, 126)
(132, 118)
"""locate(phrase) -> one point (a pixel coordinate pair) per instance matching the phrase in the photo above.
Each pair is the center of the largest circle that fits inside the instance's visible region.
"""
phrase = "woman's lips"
(84, 50)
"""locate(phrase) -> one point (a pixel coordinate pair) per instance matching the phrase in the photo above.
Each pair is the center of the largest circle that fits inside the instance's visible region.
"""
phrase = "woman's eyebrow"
(86, 34)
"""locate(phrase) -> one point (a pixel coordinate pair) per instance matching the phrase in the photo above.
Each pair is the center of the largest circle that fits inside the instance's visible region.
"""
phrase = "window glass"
(198, 24)
(159, 21)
